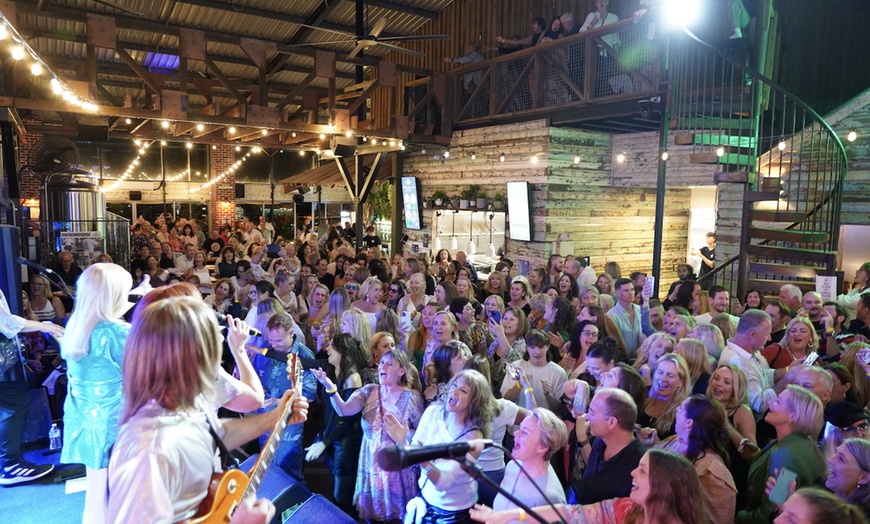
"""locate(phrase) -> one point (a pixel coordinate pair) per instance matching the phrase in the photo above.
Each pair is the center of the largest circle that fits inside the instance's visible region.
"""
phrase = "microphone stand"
(62, 286)
(476, 472)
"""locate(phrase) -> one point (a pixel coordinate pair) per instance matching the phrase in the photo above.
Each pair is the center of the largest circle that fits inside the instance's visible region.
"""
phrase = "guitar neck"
(268, 451)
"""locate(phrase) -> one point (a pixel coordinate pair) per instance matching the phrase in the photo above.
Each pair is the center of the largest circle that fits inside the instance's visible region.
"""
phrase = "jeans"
(14, 400)
(290, 454)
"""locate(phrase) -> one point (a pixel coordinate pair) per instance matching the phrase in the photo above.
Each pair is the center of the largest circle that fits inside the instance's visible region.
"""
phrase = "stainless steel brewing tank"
(75, 201)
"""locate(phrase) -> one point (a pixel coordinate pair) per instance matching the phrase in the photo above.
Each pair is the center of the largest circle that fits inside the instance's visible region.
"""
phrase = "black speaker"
(10, 271)
(315, 509)
(93, 133)
(343, 146)
(240, 190)
(298, 198)
(135, 195)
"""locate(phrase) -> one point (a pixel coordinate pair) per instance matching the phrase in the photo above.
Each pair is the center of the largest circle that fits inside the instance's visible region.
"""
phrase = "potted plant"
(441, 198)
(498, 201)
(465, 198)
(457, 199)
(478, 197)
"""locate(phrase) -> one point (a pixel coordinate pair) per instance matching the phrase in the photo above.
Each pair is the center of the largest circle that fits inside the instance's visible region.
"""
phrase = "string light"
(852, 136)
(136, 161)
(347, 133)
(231, 169)
(720, 152)
(576, 159)
(21, 50)
(179, 176)
(501, 158)
(620, 158)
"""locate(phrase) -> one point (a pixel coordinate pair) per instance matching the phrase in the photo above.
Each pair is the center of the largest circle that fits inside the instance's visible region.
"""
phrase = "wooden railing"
(615, 63)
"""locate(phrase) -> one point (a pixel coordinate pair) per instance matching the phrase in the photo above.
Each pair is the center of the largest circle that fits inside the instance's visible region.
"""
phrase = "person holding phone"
(795, 414)
(509, 345)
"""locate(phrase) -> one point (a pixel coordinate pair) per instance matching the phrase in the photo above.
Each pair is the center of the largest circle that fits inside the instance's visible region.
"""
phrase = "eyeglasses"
(854, 429)
(393, 290)
(355, 288)
(589, 333)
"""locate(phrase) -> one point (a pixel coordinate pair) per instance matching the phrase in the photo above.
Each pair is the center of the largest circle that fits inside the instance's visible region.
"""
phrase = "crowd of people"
(615, 406)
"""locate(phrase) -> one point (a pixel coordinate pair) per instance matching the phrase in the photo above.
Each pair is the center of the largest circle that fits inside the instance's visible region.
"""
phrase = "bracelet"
(583, 443)
(519, 386)
(529, 390)
(787, 368)
(522, 514)
(332, 391)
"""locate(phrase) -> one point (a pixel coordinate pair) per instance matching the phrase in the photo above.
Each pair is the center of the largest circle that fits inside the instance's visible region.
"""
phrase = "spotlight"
(645, 110)
(852, 136)
(501, 158)
(365, 138)
(681, 12)
(374, 141)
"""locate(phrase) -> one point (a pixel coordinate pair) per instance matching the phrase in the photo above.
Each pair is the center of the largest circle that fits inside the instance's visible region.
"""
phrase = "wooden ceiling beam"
(431, 14)
(138, 24)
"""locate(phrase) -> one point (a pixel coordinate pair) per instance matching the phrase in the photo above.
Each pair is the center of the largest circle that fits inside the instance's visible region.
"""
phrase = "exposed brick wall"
(223, 193)
(26, 143)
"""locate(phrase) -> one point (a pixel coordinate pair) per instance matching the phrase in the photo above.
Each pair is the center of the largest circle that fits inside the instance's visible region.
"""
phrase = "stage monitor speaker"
(298, 198)
(316, 509)
(240, 190)
(10, 271)
(135, 195)
(343, 146)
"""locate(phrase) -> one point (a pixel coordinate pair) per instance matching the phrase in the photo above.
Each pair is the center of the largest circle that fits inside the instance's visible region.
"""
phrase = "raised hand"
(396, 430)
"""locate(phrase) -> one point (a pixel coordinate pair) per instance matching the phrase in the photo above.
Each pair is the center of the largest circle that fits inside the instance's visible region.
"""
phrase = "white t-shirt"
(492, 459)
(458, 490)
(552, 373)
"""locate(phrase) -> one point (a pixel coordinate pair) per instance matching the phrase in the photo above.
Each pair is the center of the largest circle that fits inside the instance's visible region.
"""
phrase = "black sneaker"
(23, 472)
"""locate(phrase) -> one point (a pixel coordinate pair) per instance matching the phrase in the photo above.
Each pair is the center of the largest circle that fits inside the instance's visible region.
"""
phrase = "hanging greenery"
(379, 201)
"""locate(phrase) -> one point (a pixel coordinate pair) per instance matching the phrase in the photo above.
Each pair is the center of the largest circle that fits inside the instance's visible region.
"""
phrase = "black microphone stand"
(476, 472)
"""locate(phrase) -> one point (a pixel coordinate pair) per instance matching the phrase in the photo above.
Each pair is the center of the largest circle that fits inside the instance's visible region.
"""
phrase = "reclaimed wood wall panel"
(640, 168)
(856, 189)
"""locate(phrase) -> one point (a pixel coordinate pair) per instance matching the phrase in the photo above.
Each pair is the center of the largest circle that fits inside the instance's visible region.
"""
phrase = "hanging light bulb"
(3, 32)
(348, 133)
(534, 159)
(128, 121)
(189, 145)
(720, 152)
(781, 145)
(501, 158)
(473, 156)
(471, 248)
(446, 153)
(56, 86)
(620, 158)
(213, 147)
(323, 136)
(301, 152)
(665, 155)
(164, 124)
(576, 159)
(436, 244)
(36, 69)
(293, 134)
(454, 244)
(231, 130)
(18, 52)
(852, 136)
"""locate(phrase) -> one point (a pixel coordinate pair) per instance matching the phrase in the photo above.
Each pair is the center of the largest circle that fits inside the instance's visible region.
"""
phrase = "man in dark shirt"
(140, 265)
(371, 239)
(325, 278)
(616, 451)
(780, 316)
(66, 269)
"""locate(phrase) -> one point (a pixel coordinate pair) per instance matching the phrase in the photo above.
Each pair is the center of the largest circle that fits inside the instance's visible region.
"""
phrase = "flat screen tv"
(519, 201)
(411, 200)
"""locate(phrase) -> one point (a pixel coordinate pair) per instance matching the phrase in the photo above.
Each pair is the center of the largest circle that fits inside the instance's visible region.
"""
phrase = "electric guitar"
(229, 488)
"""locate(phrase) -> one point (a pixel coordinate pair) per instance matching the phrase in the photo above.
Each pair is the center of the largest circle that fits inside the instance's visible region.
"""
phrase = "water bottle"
(54, 437)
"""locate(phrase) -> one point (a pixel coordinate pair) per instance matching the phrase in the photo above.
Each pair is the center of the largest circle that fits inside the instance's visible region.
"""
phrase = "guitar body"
(224, 496)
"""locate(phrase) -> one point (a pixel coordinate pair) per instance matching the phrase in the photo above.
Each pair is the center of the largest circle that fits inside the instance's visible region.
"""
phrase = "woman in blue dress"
(93, 348)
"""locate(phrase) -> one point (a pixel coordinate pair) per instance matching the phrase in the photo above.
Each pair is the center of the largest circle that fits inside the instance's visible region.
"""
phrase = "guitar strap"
(227, 460)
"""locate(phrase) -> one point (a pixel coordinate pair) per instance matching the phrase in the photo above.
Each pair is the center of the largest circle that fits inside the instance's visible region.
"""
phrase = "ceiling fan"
(373, 39)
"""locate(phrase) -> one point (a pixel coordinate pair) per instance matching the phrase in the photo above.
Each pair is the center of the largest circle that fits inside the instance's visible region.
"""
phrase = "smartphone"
(781, 488)
(272, 250)
(864, 355)
(512, 371)
(811, 359)
(496, 315)
(404, 239)
(405, 321)
(651, 283)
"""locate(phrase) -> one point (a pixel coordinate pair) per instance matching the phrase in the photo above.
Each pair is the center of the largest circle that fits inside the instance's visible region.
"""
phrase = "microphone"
(34, 266)
(222, 319)
(395, 458)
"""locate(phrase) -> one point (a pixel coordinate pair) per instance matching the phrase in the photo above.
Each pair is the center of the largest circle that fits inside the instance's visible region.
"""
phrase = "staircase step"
(771, 287)
(815, 256)
(783, 270)
(731, 177)
(788, 235)
(727, 158)
(719, 92)
(760, 196)
(716, 139)
(776, 216)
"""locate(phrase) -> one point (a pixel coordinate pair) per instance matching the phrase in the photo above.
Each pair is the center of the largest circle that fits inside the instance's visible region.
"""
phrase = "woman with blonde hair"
(650, 353)
(164, 457)
(681, 326)
(46, 306)
(421, 338)
(604, 284)
(339, 302)
(496, 285)
(727, 324)
(371, 291)
(711, 336)
(799, 341)
(796, 415)
(465, 289)
(93, 347)
(491, 305)
(695, 353)
(670, 387)
(354, 323)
